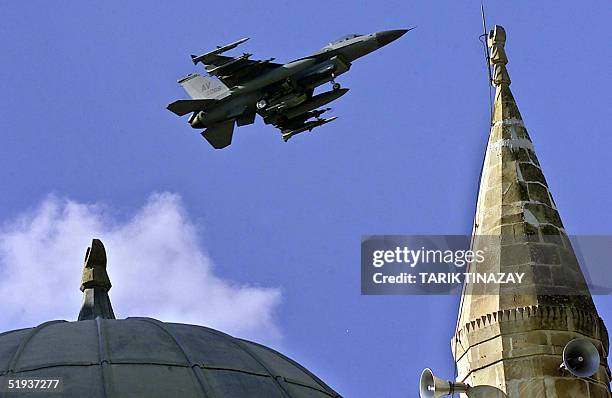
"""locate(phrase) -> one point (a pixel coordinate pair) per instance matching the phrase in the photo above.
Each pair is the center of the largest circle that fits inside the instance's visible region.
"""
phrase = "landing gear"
(261, 104)
(335, 86)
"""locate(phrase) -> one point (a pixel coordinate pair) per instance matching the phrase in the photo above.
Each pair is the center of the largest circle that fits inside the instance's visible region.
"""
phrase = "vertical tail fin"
(201, 87)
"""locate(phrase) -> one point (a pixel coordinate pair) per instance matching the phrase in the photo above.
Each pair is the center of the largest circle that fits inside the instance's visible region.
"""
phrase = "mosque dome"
(99, 356)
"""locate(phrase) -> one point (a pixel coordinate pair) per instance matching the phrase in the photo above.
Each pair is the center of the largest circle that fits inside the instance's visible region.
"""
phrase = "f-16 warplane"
(236, 89)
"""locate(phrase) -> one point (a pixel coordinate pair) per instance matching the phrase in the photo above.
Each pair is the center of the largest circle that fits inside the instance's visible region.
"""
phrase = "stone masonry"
(508, 336)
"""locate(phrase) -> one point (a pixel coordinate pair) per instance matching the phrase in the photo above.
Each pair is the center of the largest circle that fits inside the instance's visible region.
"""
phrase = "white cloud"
(157, 267)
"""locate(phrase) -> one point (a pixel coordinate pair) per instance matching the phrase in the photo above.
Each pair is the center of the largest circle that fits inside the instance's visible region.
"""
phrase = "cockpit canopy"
(343, 38)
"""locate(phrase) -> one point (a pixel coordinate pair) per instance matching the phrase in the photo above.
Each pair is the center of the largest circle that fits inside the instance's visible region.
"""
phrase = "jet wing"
(233, 71)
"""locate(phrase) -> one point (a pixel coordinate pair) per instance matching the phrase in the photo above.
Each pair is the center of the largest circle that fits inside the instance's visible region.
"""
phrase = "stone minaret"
(512, 336)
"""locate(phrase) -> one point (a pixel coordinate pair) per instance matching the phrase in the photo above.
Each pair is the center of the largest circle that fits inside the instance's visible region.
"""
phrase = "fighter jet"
(236, 89)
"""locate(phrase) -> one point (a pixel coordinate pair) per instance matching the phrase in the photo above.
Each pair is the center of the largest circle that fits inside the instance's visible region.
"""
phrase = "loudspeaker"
(431, 386)
(580, 357)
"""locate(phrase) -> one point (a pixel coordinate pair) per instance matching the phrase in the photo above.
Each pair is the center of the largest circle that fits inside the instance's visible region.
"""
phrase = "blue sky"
(82, 117)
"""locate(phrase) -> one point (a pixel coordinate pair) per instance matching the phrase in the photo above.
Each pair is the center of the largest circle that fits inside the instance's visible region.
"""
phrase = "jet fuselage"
(301, 75)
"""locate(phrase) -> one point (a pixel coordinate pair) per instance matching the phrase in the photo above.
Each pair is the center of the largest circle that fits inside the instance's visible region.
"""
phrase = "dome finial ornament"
(95, 284)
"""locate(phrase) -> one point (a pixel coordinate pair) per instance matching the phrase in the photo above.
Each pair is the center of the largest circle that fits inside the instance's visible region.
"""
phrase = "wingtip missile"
(219, 50)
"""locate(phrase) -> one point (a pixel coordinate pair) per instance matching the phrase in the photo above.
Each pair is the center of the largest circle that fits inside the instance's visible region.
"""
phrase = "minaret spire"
(512, 336)
(95, 284)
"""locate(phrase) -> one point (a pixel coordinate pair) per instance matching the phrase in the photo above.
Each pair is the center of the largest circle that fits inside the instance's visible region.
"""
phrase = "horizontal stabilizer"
(219, 135)
(183, 107)
(245, 118)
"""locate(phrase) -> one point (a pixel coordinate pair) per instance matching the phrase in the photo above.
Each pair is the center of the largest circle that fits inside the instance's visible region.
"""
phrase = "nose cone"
(387, 36)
